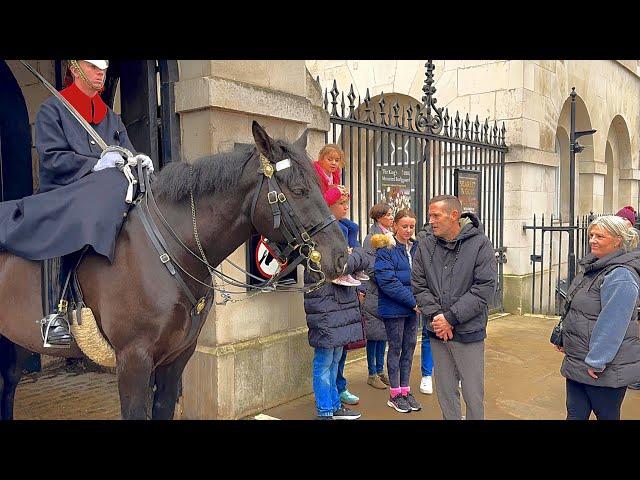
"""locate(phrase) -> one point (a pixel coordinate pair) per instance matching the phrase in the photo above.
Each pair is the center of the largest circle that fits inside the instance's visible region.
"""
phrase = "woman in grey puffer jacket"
(600, 329)
(382, 217)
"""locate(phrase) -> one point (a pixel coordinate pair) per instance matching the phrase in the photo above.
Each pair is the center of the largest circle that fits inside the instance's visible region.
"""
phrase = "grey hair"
(617, 227)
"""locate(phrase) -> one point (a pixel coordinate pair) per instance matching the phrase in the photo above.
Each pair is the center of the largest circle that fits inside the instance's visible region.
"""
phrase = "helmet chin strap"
(74, 63)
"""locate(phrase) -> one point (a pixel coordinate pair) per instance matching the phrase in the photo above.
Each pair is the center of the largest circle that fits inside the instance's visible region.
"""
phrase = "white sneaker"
(347, 281)
(426, 385)
(460, 384)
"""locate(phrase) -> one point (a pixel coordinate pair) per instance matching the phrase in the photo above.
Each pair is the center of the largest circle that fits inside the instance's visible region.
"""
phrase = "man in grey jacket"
(454, 279)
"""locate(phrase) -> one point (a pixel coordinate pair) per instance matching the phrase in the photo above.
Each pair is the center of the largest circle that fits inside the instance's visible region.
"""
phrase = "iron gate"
(419, 148)
(550, 250)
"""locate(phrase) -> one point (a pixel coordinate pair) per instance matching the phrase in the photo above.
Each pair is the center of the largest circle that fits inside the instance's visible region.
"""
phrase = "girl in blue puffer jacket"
(397, 306)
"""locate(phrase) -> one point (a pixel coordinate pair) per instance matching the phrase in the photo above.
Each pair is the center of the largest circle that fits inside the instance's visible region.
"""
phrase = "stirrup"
(49, 325)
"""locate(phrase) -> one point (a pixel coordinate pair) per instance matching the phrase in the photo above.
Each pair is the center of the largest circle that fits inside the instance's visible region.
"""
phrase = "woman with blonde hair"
(599, 328)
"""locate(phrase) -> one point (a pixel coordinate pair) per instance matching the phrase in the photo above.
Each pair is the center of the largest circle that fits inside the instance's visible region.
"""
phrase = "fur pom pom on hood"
(380, 240)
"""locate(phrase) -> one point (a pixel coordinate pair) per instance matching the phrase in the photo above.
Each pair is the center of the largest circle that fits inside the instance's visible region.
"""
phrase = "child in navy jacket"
(397, 306)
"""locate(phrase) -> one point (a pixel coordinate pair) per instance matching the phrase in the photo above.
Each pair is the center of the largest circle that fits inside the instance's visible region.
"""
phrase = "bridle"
(285, 221)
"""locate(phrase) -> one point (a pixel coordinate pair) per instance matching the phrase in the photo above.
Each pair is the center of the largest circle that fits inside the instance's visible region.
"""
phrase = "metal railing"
(550, 252)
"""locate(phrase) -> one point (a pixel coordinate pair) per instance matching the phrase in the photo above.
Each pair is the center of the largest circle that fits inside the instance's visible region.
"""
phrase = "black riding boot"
(55, 327)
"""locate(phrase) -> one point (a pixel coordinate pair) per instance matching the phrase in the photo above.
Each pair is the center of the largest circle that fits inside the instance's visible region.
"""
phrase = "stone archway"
(618, 188)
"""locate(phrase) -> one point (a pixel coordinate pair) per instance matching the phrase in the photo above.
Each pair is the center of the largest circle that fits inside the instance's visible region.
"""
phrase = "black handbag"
(556, 334)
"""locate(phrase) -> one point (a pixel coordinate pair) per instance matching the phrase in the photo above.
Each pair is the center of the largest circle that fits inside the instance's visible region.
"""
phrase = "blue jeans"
(325, 368)
(425, 352)
(341, 382)
(351, 231)
(375, 356)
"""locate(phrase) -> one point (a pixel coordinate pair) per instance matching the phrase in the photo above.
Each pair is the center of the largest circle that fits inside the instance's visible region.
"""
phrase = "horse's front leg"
(167, 380)
(134, 370)
(12, 361)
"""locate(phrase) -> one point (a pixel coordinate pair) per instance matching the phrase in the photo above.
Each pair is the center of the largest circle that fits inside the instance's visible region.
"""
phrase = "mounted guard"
(80, 201)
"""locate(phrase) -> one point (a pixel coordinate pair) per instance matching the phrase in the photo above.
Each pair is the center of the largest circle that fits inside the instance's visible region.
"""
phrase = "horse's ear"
(263, 141)
(301, 143)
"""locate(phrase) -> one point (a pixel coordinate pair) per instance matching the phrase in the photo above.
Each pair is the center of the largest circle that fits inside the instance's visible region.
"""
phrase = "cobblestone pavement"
(67, 394)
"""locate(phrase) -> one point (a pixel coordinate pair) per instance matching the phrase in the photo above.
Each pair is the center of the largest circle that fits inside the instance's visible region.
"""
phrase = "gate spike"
(457, 124)
(342, 105)
(476, 127)
(409, 117)
(466, 127)
(383, 114)
(367, 107)
(396, 108)
(503, 130)
(334, 102)
(351, 97)
(446, 119)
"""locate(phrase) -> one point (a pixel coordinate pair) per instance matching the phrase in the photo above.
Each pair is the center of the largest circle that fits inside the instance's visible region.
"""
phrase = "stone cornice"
(221, 93)
(629, 174)
(598, 168)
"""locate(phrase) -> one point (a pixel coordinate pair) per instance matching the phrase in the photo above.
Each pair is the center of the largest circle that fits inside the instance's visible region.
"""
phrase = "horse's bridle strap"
(161, 247)
(284, 218)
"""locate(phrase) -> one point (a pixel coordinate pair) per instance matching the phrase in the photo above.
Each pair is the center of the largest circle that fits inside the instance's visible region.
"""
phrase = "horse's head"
(297, 215)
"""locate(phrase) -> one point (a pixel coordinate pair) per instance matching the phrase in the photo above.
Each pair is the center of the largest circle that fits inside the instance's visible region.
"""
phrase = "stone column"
(591, 176)
(254, 354)
(628, 190)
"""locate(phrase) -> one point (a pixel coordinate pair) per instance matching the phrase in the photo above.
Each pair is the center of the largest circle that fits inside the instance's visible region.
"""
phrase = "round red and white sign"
(267, 264)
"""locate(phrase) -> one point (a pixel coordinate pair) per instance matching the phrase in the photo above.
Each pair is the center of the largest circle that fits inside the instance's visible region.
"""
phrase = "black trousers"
(582, 399)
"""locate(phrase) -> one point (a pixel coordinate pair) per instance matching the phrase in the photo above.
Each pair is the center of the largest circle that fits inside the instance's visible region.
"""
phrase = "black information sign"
(466, 187)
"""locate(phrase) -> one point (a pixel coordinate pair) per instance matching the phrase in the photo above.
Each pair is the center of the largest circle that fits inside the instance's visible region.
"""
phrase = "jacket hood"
(619, 257)
(380, 240)
(470, 226)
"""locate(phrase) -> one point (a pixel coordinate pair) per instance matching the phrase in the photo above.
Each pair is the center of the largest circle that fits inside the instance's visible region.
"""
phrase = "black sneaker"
(346, 414)
(399, 403)
(413, 403)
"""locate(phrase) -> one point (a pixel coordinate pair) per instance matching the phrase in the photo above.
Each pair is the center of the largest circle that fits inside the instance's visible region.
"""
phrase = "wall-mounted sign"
(395, 186)
(263, 264)
(466, 187)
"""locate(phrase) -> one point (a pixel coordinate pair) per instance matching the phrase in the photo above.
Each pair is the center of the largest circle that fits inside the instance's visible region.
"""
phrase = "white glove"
(146, 161)
(108, 160)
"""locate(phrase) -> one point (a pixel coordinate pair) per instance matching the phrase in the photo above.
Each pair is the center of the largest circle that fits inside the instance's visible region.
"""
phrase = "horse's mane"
(221, 172)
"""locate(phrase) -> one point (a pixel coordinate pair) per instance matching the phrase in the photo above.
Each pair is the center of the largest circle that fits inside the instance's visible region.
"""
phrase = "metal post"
(572, 188)
(574, 147)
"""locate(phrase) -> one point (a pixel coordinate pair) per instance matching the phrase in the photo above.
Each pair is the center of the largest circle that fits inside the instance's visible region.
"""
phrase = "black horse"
(140, 309)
